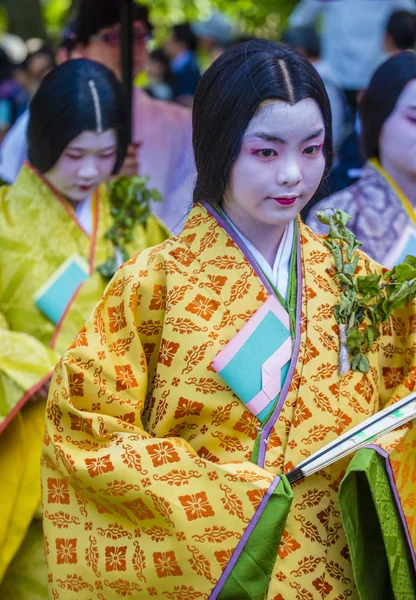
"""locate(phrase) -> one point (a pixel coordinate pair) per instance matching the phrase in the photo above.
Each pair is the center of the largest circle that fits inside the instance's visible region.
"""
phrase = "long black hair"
(79, 95)
(381, 98)
(229, 94)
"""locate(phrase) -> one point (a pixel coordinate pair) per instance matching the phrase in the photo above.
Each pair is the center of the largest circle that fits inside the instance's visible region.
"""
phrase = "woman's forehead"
(278, 116)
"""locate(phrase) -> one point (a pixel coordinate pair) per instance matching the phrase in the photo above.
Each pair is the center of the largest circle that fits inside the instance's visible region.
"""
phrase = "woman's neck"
(405, 180)
(264, 237)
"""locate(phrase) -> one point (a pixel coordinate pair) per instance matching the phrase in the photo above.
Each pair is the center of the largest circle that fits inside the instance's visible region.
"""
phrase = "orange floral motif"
(203, 307)
(196, 506)
(262, 296)
(162, 454)
(116, 317)
(255, 496)
(207, 455)
(183, 255)
(125, 378)
(148, 350)
(159, 297)
(58, 492)
(364, 388)
(66, 551)
(287, 545)
(76, 384)
(166, 564)
(81, 339)
(167, 352)
(98, 466)
(139, 509)
(302, 413)
(310, 352)
(80, 423)
(187, 408)
(322, 586)
(223, 557)
(216, 283)
(248, 424)
(342, 421)
(115, 558)
(392, 376)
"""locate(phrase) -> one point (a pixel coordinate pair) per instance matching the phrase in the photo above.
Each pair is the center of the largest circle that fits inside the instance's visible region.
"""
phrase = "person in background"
(13, 99)
(180, 47)
(54, 221)
(306, 40)
(382, 202)
(352, 36)
(159, 75)
(40, 60)
(400, 32)
(214, 35)
(162, 131)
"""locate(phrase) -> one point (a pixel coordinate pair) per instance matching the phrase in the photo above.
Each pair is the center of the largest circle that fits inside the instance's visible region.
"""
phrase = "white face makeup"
(85, 163)
(279, 167)
(398, 136)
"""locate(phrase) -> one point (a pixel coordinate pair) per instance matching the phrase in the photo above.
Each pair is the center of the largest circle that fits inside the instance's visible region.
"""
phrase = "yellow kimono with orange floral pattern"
(148, 484)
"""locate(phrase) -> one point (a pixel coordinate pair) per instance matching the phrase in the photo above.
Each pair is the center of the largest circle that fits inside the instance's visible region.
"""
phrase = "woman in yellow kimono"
(210, 369)
(53, 224)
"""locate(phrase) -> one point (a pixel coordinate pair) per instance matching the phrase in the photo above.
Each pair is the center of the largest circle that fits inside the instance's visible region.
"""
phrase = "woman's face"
(280, 164)
(398, 134)
(86, 162)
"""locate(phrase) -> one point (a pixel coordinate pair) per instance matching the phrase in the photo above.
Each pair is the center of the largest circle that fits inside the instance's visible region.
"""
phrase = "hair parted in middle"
(79, 95)
(228, 96)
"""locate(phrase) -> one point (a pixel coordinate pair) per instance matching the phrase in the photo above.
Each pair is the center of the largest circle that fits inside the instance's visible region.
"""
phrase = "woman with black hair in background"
(53, 236)
(382, 202)
(166, 458)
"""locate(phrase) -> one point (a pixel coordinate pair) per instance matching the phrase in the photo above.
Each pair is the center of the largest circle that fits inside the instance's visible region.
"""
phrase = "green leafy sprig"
(366, 301)
(130, 204)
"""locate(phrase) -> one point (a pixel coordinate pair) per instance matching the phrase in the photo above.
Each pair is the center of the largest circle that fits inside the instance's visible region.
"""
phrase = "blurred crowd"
(345, 45)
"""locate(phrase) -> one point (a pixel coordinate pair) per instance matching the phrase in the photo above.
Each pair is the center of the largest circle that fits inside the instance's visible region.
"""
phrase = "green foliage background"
(263, 18)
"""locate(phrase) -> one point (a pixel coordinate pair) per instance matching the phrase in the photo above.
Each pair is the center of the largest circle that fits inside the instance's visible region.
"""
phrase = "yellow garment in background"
(38, 232)
(148, 478)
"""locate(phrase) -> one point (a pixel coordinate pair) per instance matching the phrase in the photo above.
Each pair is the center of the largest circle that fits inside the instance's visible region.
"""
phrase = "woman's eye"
(107, 155)
(73, 156)
(266, 153)
(411, 119)
(312, 150)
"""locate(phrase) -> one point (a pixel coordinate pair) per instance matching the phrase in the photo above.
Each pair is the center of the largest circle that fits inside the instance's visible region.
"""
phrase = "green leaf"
(342, 217)
(410, 260)
(354, 340)
(323, 217)
(369, 284)
(360, 363)
(404, 272)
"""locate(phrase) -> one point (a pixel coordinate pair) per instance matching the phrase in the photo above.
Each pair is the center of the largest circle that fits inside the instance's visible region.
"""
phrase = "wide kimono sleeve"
(25, 365)
(377, 495)
(128, 514)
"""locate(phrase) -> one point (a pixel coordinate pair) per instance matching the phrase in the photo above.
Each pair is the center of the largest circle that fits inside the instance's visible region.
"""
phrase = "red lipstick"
(286, 201)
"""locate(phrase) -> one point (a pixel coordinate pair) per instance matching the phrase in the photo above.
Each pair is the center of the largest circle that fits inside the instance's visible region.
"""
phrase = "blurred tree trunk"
(25, 18)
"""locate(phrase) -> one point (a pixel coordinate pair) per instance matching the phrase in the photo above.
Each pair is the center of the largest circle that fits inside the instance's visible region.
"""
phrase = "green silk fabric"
(380, 554)
(251, 574)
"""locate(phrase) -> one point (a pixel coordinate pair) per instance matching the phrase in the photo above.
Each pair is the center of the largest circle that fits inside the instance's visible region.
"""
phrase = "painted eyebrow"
(269, 137)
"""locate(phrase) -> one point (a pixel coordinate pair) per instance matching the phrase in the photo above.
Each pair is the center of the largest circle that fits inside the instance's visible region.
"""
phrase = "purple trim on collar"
(240, 546)
(390, 474)
(240, 244)
(283, 394)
